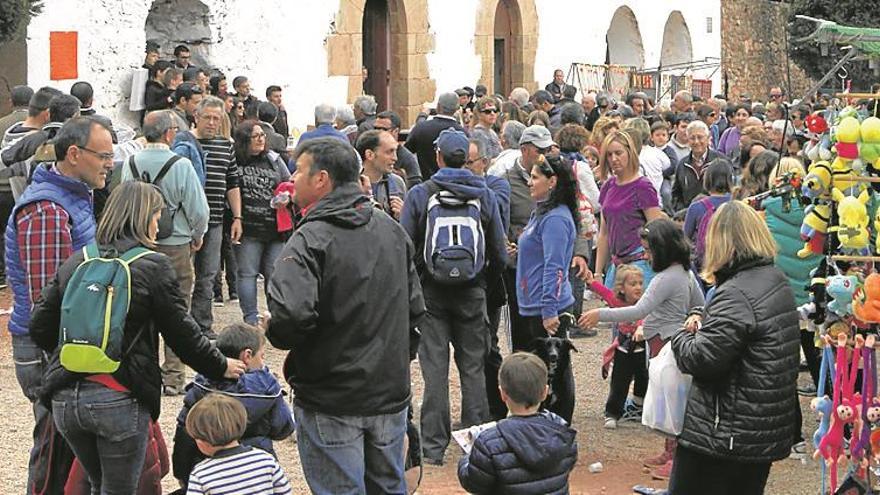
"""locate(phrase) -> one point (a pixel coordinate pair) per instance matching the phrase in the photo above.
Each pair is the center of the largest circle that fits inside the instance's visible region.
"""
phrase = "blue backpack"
(93, 311)
(455, 247)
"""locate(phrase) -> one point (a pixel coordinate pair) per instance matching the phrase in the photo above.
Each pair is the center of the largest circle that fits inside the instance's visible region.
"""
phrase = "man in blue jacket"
(456, 313)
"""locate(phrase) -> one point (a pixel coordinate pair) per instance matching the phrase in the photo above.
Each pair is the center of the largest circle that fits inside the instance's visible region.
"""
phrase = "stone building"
(753, 49)
(319, 50)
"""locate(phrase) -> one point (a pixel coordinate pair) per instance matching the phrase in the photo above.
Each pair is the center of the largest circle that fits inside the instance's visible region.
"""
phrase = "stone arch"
(677, 48)
(411, 85)
(522, 42)
(624, 39)
(175, 22)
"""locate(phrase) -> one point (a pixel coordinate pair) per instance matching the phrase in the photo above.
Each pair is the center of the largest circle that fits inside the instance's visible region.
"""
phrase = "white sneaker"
(610, 424)
(798, 451)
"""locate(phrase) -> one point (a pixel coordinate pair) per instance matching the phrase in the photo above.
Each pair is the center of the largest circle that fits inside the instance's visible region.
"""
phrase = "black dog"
(556, 354)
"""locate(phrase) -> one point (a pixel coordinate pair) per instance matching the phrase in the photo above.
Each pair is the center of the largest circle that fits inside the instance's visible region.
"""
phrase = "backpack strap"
(134, 254)
(90, 252)
(165, 168)
(432, 187)
(133, 168)
(707, 203)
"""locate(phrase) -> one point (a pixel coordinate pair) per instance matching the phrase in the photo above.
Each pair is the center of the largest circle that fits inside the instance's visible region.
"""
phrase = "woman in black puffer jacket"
(105, 417)
(741, 410)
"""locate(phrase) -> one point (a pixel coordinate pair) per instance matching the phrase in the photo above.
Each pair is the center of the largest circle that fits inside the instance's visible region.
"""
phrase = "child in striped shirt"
(217, 423)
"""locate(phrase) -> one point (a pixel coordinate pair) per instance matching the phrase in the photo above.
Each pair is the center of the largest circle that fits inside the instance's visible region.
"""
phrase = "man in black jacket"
(347, 314)
(688, 183)
(422, 136)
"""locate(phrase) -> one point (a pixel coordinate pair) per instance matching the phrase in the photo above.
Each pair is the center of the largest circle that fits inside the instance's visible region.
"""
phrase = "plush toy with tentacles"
(822, 403)
(861, 435)
(843, 412)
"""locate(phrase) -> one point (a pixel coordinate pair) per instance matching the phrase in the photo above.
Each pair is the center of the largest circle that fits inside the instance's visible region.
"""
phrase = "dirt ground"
(620, 451)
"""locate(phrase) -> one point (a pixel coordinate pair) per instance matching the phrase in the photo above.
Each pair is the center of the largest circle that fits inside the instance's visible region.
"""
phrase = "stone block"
(424, 43)
(339, 55)
(355, 87)
(350, 18)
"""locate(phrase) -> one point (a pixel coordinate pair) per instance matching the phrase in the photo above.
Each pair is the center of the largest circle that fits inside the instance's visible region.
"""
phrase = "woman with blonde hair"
(602, 127)
(105, 417)
(628, 202)
(741, 410)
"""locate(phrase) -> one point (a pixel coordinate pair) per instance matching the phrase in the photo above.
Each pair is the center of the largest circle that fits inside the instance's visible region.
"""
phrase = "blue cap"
(451, 141)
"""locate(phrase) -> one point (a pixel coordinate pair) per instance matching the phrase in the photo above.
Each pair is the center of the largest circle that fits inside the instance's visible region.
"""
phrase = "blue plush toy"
(841, 288)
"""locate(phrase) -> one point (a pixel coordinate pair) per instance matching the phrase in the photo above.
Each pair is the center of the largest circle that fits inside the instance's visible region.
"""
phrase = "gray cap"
(537, 135)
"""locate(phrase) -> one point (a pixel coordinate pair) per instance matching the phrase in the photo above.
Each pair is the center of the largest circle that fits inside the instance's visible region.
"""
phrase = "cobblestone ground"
(620, 451)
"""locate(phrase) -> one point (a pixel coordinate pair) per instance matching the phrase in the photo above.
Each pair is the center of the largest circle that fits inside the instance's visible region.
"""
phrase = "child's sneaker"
(798, 451)
(631, 412)
(610, 424)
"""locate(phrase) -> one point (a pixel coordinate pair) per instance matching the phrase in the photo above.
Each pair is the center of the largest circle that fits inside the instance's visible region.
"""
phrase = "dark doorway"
(377, 52)
(505, 21)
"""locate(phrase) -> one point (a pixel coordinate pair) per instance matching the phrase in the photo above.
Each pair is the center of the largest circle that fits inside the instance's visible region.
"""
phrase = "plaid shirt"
(44, 242)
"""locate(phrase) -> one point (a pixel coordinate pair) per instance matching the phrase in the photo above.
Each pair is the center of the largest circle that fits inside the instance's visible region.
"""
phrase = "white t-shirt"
(652, 163)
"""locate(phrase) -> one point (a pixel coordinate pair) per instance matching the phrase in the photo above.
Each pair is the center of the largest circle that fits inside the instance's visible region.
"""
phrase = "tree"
(15, 16)
(856, 13)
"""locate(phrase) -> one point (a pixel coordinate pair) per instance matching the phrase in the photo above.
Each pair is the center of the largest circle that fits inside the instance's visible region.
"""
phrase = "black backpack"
(166, 220)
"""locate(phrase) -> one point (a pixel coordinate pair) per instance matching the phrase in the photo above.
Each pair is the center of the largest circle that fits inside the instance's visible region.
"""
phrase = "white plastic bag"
(667, 395)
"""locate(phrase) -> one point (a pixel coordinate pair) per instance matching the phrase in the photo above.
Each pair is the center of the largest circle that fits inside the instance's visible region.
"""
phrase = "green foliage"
(856, 13)
(15, 16)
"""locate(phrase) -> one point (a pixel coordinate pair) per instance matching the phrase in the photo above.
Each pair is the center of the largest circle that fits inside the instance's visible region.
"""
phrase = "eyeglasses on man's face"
(104, 156)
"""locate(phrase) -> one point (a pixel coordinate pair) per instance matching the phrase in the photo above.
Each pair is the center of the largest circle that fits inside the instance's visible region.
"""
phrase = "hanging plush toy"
(819, 147)
(841, 288)
(852, 231)
(866, 305)
(831, 445)
(869, 149)
(861, 435)
(814, 229)
(817, 183)
(843, 176)
(815, 309)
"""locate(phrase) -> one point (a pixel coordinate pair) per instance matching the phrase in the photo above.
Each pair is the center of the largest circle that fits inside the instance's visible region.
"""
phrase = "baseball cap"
(451, 141)
(537, 135)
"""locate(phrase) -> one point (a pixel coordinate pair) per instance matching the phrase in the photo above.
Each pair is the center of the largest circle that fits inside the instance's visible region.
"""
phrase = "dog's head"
(554, 351)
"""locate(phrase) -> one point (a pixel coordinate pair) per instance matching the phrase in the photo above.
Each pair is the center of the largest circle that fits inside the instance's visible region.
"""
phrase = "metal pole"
(787, 62)
(846, 58)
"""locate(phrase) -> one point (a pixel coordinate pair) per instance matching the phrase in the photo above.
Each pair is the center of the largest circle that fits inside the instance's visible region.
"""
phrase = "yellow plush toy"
(852, 231)
(869, 150)
(814, 228)
(848, 133)
(817, 183)
(843, 177)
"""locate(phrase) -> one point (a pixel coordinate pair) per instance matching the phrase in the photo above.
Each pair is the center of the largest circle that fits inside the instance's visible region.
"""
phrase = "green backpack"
(93, 311)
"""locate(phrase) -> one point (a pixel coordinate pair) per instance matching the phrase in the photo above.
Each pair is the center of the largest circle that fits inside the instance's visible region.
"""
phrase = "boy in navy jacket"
(531, 451)
(268, 415)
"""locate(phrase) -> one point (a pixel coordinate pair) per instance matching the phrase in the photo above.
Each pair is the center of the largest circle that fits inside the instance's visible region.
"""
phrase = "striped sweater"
(239, 470)
(221, 175)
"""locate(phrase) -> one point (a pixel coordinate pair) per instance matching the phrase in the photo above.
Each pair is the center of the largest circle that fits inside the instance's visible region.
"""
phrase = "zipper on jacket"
(731, 442)
(107, 317)
(718, 416)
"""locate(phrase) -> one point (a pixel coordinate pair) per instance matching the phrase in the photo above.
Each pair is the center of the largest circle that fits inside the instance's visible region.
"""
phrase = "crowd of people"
(376, 245)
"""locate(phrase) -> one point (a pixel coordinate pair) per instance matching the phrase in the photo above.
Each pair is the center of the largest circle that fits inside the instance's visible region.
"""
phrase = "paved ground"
(620, 451)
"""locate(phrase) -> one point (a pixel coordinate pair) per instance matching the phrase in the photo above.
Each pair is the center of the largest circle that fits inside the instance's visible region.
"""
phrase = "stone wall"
(753, 48)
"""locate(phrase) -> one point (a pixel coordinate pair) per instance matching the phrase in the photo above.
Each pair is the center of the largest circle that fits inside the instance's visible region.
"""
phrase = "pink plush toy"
(843, 410)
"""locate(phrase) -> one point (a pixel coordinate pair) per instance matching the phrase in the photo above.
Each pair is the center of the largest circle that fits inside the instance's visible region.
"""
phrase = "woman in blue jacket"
(545, 249)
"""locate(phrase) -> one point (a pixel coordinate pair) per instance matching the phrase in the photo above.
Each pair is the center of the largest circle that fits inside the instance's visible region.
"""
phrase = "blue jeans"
(254, 256)
(29, 363)
(108, 432)
(351, 454)
(206, 264)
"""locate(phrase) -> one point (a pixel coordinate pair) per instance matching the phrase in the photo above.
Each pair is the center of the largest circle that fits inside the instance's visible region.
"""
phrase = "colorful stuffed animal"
(843, 176)
(860, 439)
(817, 183)
(831, 445)
(866, 306)
(848, 134)
(841, 288)
(814, 228)
(852, 231)
(869, 150)
(819, 147)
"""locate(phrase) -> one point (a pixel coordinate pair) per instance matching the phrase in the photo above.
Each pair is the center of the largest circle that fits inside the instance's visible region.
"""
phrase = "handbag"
(666, 399)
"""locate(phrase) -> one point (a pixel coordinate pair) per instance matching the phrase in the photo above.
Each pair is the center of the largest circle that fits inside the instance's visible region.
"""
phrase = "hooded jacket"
(465, 185)
(343, 298)
(744, 361)
(785, 226)
(268, 417)
(156, 306)
(521, 455)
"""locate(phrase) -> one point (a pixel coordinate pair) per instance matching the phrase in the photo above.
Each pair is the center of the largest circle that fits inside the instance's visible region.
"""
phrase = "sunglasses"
(489, 110)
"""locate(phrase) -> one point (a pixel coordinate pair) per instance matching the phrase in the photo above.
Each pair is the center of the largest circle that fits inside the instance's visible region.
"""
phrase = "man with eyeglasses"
(52, 219)
(183, 194)
(487, 114)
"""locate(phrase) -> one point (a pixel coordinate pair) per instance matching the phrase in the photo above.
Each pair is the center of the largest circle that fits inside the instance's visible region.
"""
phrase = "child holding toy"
(627, 351)
(670, 296)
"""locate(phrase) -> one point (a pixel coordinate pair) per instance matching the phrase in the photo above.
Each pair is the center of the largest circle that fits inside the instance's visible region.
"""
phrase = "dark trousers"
(497, 407)
(812, 353)
(518, 327)
(6, 204)
(227, 264)
(457, 316)
(628, 367)
(694, 473)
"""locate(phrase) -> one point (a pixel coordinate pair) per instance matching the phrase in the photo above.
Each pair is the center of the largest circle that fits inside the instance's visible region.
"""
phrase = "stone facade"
(753, 47)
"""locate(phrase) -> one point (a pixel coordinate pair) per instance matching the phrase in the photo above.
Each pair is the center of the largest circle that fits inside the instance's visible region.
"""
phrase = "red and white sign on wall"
(63, 61)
